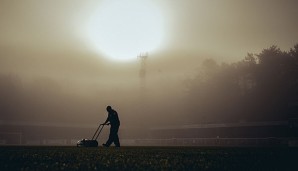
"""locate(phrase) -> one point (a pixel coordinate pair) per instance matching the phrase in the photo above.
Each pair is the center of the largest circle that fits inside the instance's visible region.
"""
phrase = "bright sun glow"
(121, 29)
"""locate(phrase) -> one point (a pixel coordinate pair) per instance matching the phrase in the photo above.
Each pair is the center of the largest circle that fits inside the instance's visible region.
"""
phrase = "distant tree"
(273, 80)
(294, 52)
(10, 96)
(214, 92)
(250, 59)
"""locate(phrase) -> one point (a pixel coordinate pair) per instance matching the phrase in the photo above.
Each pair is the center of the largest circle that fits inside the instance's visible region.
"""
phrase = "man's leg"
(116, 138)
(116, 141)
(111, 138)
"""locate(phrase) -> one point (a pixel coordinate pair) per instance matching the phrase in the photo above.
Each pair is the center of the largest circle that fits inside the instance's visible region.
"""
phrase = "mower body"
(87, 143)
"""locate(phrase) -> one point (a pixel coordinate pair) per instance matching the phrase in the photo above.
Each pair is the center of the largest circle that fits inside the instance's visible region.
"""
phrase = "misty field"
(147, 158)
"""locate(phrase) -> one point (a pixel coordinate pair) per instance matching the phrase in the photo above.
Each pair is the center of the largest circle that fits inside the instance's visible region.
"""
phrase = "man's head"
(109, 108)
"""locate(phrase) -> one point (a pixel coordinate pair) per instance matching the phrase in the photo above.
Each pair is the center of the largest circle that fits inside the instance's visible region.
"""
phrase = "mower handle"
(98, 131)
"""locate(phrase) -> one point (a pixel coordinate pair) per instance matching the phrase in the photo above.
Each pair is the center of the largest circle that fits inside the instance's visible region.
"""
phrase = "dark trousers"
(113, 137)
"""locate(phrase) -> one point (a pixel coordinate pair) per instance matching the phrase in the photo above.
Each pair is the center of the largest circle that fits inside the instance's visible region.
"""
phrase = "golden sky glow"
(227, 29)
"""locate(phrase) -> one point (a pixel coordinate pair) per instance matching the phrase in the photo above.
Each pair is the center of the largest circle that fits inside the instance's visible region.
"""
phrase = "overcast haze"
(46, 55)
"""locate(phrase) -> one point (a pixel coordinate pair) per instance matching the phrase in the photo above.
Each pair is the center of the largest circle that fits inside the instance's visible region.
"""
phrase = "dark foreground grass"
(147, 158)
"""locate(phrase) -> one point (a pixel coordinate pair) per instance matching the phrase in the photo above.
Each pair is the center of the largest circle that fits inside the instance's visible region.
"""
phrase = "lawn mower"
(93, 142)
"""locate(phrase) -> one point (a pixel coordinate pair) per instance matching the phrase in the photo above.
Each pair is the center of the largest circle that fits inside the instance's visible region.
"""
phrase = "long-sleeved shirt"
(113, 118)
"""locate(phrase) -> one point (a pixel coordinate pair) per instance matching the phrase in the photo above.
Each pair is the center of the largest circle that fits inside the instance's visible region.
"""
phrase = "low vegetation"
(146, 158)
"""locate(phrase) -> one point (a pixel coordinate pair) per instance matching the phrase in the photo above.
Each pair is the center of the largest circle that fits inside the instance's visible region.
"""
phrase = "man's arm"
(108, 119)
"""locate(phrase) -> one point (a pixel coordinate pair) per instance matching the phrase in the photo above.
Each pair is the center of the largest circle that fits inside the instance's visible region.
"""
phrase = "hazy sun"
(121, 29)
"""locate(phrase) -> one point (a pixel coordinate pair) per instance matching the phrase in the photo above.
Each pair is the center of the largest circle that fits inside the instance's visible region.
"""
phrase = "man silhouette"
(114, 121)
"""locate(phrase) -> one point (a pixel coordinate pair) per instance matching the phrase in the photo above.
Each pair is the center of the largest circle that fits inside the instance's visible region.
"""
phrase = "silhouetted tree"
(273, 91)
(214, 92)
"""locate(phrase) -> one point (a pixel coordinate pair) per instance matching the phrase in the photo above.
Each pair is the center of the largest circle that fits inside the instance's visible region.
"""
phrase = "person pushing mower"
(114, 121)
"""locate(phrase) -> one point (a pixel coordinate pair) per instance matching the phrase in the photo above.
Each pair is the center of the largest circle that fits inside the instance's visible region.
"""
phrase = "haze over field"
(54, 69)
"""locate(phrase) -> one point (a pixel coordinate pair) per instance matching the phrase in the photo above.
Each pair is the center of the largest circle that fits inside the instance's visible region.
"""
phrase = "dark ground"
(147, 158)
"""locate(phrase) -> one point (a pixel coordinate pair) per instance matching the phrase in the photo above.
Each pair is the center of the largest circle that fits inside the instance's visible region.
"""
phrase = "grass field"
(147, 158)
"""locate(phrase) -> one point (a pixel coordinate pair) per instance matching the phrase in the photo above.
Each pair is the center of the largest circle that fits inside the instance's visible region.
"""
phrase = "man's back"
(113, 118)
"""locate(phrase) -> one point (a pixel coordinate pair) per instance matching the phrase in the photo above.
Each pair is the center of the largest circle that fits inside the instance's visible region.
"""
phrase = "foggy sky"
(44, 39)
(231, 28)
(213, 27)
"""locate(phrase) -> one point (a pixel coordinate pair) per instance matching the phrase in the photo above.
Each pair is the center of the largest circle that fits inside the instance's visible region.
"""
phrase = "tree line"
(261, 87)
